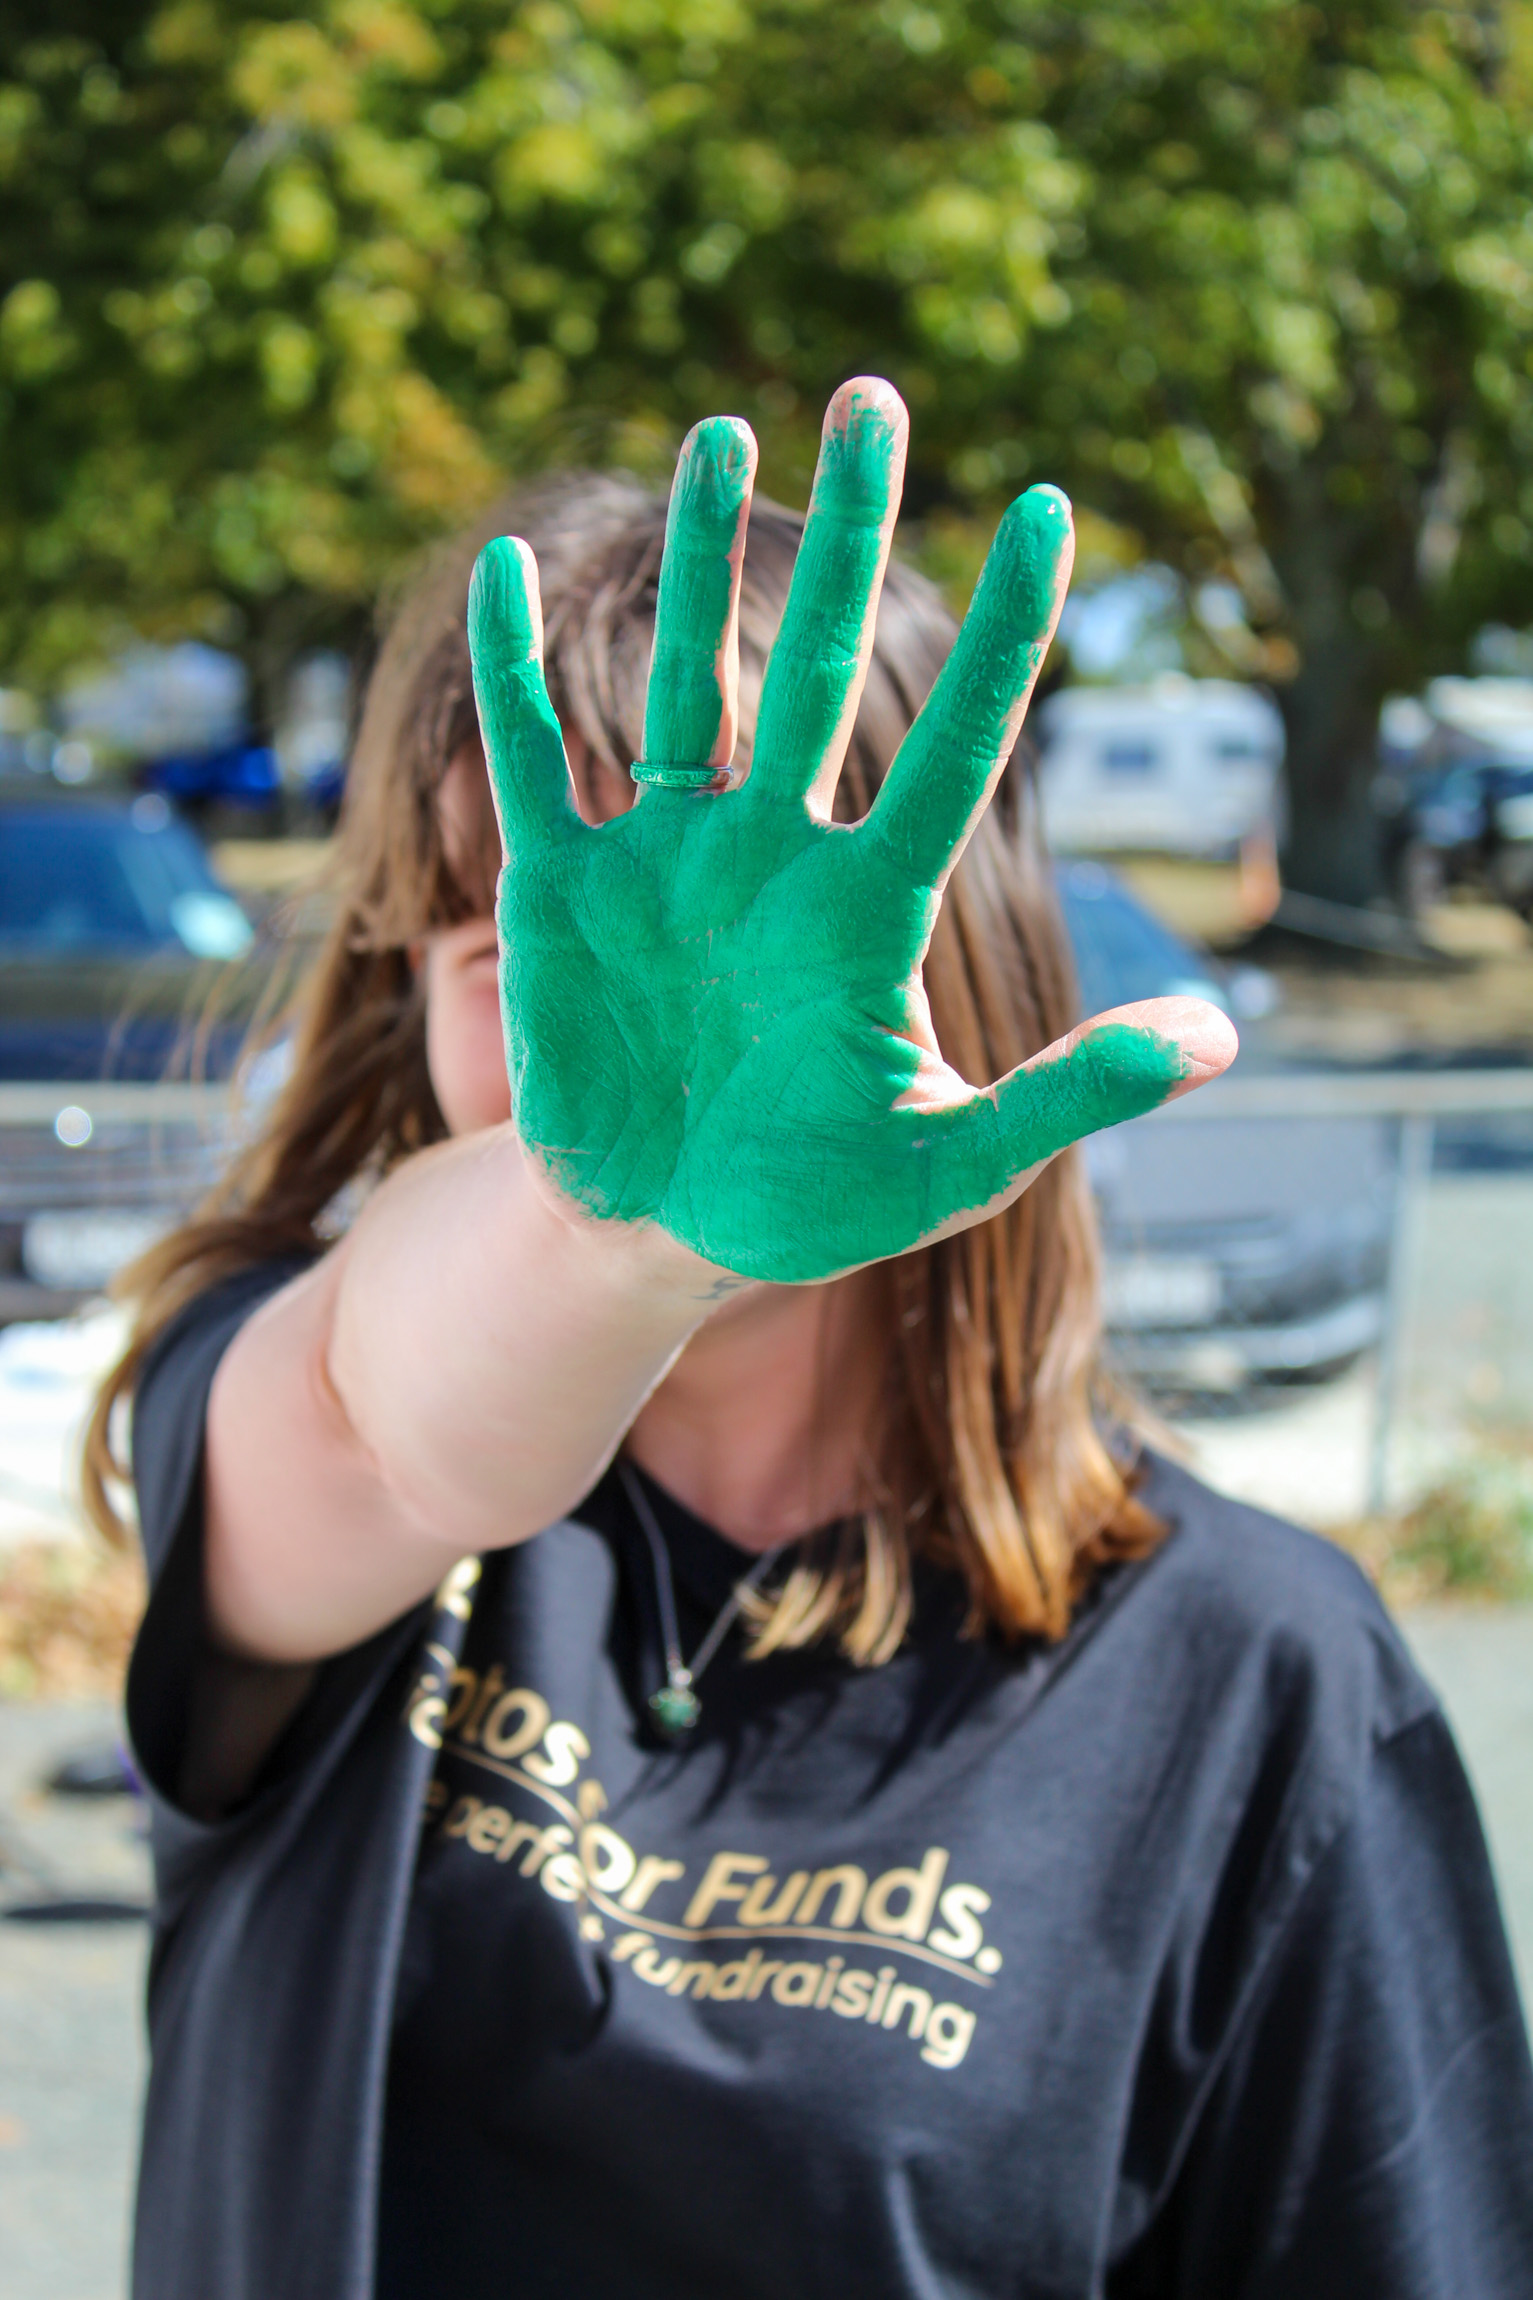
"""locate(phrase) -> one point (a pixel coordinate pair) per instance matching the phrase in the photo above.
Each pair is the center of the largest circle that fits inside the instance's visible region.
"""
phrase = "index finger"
(523, 745)
(950, 762)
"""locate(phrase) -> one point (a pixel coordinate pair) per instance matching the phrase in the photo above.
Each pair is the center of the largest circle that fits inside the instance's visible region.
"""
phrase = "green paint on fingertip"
(524, 747)
(1027, 565)
(500, 614)
(1114, 1072)
(855, 475)
(703, 539)
(817, 656)
(505, 642)
(948, 762)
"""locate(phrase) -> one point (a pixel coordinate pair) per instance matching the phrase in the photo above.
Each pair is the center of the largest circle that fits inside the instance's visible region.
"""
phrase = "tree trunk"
(1331, 713)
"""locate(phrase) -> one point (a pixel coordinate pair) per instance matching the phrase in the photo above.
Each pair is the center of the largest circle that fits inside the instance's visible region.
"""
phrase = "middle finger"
(815, 676)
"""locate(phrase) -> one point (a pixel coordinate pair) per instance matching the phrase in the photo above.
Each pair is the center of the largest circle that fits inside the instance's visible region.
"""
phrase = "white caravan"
(1182, 766)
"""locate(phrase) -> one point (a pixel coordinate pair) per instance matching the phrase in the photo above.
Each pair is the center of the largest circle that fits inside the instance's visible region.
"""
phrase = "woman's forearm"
(449, 1379)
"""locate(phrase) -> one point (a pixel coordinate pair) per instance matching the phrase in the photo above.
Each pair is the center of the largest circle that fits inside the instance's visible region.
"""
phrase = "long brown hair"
(992, 1458)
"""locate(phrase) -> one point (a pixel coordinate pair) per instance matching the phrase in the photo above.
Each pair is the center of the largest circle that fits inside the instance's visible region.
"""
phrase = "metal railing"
(1415, 1100)
(177, 1102)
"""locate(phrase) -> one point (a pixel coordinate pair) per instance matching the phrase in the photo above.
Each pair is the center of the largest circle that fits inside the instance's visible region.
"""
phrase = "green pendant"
(675, 1709)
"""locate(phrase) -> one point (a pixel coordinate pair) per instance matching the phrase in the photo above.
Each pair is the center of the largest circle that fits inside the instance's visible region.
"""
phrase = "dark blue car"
(114, 930)
(1237, 1251)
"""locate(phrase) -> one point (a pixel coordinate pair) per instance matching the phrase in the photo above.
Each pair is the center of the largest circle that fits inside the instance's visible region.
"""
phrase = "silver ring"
(676, 778)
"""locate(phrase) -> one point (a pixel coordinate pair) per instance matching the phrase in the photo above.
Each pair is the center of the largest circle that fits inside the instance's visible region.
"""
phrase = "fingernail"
(1208, 1039)
(501, 593)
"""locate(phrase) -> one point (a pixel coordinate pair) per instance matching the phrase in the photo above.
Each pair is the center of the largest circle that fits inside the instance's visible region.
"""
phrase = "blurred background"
(284, 297)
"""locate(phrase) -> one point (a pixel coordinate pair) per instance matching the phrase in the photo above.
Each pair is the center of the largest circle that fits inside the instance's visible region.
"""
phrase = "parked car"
(1182, 766)
(242, 778)
(1454, 791)
(1237, 1250)
(1466, 823)
(113, 928)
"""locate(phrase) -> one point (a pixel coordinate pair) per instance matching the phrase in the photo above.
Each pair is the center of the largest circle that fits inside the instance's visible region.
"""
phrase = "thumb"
(1117, 1066)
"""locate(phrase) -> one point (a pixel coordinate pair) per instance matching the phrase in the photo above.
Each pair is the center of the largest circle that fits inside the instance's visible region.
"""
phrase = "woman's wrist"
(488, 1345)
(638, 1255)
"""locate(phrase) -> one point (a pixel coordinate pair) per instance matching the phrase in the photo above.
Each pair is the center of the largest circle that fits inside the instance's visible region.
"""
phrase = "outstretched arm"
(449, 1379)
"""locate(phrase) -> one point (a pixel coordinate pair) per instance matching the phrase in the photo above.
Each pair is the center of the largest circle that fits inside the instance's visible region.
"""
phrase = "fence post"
(1413, 1169)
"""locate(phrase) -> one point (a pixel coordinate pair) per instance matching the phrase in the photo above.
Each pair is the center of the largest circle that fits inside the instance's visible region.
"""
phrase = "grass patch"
(68, 1612)
(1470, 1536)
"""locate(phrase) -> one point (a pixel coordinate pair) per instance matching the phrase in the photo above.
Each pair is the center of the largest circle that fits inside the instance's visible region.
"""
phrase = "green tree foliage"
(1301, 344)
(282, 294)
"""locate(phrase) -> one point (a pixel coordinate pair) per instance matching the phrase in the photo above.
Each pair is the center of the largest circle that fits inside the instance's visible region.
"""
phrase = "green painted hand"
(713, 1007)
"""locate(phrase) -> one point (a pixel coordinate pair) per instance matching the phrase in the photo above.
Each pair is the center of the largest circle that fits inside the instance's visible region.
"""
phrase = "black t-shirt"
(1165, 1962)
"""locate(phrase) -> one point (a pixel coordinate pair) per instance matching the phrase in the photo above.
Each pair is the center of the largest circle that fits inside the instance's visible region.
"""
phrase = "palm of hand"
(713, 1011)
(737, 981)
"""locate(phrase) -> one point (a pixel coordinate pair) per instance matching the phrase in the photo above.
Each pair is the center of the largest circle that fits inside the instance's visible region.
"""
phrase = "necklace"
(676, 1708)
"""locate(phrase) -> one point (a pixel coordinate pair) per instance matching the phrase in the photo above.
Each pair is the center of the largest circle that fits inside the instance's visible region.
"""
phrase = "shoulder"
(170, 1393)
(1247, 1558)
(1271, 1625)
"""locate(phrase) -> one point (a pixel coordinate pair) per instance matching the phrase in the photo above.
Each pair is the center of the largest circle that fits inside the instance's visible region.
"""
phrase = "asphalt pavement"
(71, 2033)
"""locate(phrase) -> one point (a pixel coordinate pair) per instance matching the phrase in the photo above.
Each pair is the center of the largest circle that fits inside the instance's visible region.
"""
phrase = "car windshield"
(86, 879)
(1122, 952)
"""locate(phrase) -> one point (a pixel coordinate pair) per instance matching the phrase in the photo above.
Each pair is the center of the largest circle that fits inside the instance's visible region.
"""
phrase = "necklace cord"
(677, 1671)
(670, 1634)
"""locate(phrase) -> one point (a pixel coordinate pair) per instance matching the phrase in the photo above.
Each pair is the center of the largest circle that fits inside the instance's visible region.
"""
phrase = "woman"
(844, 1821)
